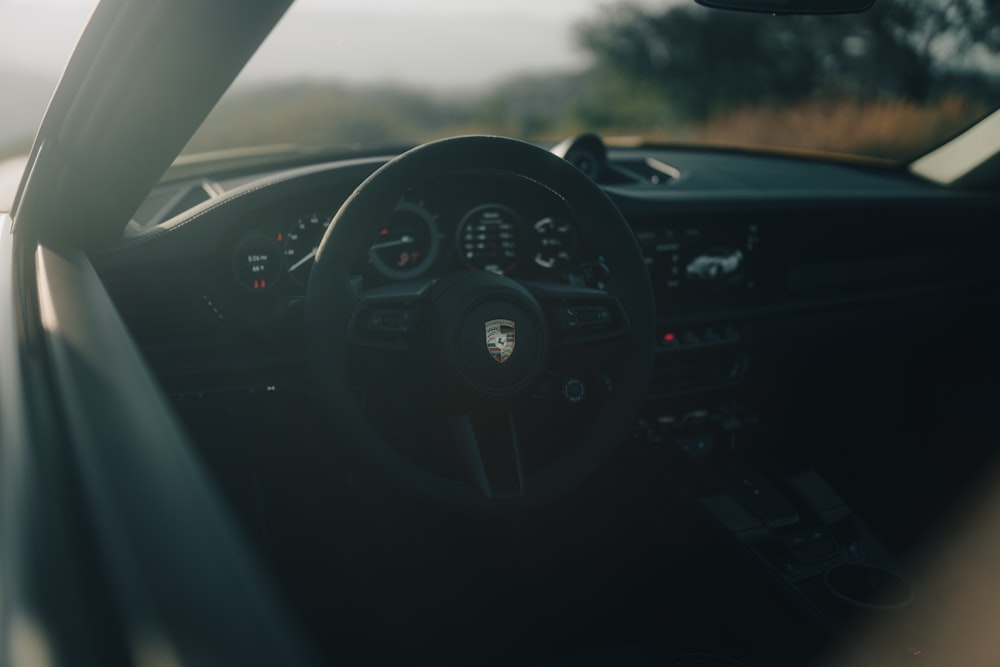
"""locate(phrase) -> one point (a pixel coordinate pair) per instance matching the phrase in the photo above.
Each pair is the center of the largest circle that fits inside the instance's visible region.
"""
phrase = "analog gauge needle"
(389, 244)
(309, 256)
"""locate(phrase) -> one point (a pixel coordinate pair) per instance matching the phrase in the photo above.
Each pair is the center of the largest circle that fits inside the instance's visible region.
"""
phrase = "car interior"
(817, 404)
(486, 402)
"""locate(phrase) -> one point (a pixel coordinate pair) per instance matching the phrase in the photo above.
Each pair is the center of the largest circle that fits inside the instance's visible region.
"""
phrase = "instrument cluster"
(509, 226)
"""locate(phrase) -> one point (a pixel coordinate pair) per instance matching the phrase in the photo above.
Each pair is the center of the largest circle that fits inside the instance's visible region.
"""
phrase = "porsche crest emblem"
(500, 339)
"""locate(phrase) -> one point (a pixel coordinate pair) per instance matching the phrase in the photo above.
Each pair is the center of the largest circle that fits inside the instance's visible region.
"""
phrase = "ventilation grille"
(189, 200)
(644, 171)
(167, 201)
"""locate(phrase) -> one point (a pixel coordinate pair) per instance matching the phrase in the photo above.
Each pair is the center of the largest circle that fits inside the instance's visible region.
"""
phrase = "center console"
(729, 301)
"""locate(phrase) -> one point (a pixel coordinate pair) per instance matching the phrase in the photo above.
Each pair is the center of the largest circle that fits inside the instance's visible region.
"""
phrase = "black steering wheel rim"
(331, 299)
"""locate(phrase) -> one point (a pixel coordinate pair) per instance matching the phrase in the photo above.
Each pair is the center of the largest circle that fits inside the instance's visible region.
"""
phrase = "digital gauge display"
(489, 238)
(257, 263)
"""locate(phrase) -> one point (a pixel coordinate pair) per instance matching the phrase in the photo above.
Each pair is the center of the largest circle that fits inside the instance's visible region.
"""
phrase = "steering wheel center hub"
(487, 335)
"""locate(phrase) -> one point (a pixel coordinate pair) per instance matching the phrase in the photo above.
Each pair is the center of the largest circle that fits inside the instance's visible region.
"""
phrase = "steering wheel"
(494, 368)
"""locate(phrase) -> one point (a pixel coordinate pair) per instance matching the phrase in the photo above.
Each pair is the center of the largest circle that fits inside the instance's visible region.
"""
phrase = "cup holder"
(868, 586)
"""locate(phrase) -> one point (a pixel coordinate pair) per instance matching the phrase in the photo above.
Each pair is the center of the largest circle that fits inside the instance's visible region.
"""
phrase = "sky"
(445, 46)
(438, 44)
(38, 35)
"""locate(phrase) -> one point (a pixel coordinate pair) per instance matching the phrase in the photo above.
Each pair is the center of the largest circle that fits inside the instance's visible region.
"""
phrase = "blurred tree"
(704, 60)
(711, 61)
(529, 105)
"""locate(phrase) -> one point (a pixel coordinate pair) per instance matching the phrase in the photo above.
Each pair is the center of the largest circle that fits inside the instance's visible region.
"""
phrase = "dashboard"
(733, 242)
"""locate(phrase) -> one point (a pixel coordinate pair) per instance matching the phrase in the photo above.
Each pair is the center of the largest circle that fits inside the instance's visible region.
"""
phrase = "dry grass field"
(896, 130)
(312, 115)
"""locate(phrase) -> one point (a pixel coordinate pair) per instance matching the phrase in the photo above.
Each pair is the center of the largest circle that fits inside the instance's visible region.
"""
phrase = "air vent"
(189, 200)
(589, 154)
(167, 201)
(647, 171)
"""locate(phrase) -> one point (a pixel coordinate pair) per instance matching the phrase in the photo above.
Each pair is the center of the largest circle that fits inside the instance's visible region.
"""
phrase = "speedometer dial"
(489, 238)
(407, 245)
(301, 243)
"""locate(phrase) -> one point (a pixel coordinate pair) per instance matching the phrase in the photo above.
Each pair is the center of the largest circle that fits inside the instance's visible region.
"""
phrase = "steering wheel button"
(586, 317)
(391, 320)
(690, 338)
(574, 390)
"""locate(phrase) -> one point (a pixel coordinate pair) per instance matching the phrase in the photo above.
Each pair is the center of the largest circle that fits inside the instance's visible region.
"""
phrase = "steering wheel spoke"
(579, 315)
(387, 317)
(487, 450)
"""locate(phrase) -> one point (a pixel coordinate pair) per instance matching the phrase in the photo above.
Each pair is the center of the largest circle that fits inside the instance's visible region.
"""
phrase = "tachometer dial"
(407, 245)
(257, 263)
(301, 243)
(555, 243)
(489, 238)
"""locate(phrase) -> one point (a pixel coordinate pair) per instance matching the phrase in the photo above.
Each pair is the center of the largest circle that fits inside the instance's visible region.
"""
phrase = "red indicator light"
(384, 232)
(668, 337)
(281, 237)
(263, 284)
(256, 284)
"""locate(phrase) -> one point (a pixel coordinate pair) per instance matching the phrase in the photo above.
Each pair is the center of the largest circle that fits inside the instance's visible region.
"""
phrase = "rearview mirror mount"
(791, 6)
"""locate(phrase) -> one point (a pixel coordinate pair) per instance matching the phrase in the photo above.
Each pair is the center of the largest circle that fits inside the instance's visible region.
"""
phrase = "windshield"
(37, 37)
(891, 83)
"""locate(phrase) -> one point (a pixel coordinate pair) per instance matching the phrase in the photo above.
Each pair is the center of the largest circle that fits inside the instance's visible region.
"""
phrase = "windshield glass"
(37, 38)
(890, 83)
